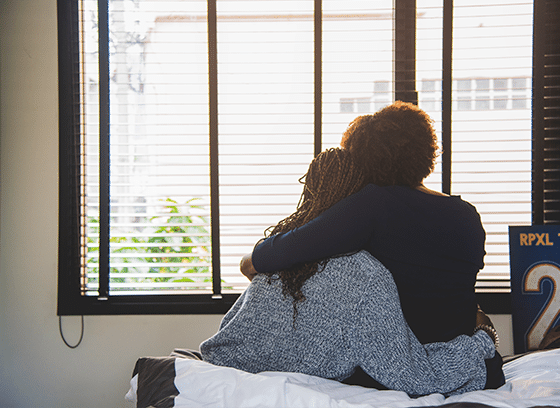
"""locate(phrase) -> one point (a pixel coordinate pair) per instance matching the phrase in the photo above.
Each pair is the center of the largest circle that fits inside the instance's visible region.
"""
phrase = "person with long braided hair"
(331, 176)
(432, 242)
(339, 315)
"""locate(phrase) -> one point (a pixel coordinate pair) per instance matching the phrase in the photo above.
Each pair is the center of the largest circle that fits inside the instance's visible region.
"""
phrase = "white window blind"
(159, 164)
(161, 190)
(357, 62)
(265, 117)
(491, 158)
(160, 223)
(491, 115)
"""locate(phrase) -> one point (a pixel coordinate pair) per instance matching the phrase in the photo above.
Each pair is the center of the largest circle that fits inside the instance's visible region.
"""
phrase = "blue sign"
(535, 283)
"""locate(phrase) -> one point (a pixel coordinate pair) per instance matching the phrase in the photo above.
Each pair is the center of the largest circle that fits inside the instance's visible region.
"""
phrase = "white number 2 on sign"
(551, 310)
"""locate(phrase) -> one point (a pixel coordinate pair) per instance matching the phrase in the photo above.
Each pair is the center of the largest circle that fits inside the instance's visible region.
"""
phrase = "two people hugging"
(371, 280)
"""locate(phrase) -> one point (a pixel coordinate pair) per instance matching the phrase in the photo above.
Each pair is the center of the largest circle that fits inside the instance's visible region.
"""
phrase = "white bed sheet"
(532, 380)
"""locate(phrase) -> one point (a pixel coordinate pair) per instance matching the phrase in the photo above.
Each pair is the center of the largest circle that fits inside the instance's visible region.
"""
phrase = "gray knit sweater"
(351, 317)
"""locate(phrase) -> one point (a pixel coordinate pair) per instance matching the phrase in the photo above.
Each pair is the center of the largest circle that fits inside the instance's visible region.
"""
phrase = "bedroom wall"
(36, 368)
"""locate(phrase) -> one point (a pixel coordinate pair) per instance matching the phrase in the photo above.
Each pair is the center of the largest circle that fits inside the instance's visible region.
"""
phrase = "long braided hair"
(331, 176)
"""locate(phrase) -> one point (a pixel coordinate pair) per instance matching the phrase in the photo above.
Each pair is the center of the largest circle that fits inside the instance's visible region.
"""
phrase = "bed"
(532, 380)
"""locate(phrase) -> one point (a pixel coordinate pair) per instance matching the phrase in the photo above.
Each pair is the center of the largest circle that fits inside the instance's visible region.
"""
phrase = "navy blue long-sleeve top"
(433, 245)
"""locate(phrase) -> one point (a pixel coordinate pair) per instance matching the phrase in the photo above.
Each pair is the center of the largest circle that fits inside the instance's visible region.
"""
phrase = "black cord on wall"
(62, 334)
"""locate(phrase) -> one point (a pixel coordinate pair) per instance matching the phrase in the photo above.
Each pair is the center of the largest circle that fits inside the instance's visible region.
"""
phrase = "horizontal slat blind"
(89, 160)
(160, 229)
(551, 142)
(491, 115)
(357, 62)
(159, 218)
(491, 157)
(265, 116)
(429, 74)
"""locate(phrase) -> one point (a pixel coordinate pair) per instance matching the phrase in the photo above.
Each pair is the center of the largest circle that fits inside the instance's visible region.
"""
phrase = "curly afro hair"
(332, 176)
(395, 146)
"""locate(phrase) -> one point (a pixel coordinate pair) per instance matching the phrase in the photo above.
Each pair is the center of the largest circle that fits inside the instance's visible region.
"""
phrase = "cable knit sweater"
(351, 317)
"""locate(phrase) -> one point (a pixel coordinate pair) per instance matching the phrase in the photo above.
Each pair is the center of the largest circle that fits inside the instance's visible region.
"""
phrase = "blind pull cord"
(62, 334)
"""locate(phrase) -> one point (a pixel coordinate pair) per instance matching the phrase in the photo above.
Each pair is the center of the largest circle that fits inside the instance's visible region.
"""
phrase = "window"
(184, 127)
(500, 84)
(346, 105)
(500, 93)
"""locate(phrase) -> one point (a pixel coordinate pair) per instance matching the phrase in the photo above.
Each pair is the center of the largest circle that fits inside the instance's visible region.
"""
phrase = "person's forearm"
(343, 228)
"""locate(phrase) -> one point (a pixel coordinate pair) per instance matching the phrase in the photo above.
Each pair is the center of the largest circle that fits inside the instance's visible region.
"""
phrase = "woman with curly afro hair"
(396, 146)
(339, 317)
(432, 243)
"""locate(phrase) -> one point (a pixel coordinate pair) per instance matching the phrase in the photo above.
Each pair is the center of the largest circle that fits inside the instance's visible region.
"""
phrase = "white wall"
(36, 368)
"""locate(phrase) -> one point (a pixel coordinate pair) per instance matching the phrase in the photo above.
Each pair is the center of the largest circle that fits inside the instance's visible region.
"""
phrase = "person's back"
(351, 317)
(432, 243)
(433, 246)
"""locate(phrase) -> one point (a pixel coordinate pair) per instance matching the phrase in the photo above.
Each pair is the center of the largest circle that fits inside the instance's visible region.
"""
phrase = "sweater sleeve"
(390, 353)
(345, 227)
(232, 312)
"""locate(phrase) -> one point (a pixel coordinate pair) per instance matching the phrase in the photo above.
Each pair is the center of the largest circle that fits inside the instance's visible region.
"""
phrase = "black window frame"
(70, 299)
